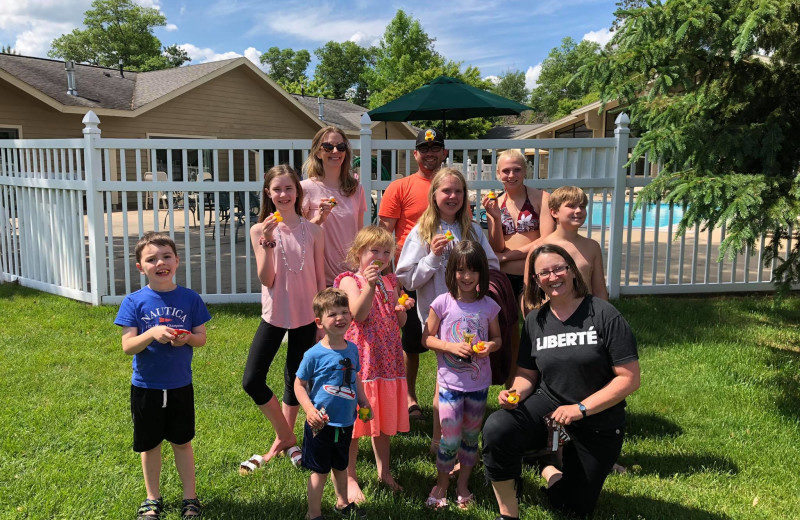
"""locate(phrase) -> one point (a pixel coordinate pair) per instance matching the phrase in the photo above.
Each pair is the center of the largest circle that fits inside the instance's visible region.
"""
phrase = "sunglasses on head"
(328, 147)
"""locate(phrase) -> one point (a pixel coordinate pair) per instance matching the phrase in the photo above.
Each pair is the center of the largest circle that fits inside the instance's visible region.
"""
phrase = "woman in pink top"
(334, 199)
(289, 252)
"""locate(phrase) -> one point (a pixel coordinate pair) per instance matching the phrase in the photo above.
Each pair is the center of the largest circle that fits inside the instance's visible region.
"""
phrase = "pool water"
(647, 213)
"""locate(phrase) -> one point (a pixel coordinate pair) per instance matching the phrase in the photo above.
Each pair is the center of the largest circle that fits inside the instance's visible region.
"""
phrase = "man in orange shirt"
(402, 205)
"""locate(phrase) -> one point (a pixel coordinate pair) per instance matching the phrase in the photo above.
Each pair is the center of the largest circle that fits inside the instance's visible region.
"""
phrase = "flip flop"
(465, 502)
(295, 454)
(415, 413)
(251, 464)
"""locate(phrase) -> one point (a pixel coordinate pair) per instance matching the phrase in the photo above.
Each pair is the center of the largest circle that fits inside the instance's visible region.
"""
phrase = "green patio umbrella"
(446, 98)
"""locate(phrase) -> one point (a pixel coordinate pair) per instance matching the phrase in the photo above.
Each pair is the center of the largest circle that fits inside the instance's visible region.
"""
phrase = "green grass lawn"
(712, 433)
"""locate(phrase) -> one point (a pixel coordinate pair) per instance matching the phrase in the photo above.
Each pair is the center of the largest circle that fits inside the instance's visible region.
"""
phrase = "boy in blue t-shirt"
(161, 324)
(328, 378)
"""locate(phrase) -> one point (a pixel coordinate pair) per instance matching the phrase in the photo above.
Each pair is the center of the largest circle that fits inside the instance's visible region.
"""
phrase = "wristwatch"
(582, 408)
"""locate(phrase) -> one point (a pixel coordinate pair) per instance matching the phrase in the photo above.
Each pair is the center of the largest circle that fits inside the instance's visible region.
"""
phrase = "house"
(228, 99)
(585, 121)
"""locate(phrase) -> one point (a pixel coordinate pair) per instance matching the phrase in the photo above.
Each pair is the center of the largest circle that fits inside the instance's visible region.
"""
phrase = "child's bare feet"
(354, 493)
(279, 446)
(391, 483)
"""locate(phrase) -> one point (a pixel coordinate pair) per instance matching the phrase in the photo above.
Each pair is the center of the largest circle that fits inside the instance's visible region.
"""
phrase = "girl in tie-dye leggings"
(463, 328)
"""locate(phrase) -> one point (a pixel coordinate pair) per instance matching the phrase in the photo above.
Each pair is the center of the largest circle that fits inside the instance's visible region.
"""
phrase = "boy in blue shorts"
(328, 378)
(161, 324)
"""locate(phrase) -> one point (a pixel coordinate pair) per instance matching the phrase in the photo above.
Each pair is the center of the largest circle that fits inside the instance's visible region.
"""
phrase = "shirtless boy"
(568, 207)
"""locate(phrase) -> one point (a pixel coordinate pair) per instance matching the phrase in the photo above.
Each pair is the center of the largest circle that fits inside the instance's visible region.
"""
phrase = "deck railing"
(71, 210)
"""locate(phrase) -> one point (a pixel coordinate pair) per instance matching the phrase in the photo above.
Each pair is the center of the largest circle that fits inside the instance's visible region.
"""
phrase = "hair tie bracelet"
(266, 243)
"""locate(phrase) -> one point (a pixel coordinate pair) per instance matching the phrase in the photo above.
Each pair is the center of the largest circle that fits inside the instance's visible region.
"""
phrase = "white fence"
(73, 209)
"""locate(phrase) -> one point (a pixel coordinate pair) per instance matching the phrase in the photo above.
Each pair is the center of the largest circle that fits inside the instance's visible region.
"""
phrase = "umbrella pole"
(444, 126)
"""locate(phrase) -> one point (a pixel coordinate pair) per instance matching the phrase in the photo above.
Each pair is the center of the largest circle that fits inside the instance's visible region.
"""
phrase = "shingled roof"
(101, 87)
(336, 112)
(509, 131)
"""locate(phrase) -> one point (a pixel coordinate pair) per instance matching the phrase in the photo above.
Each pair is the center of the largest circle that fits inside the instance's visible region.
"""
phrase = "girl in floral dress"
(378, 314)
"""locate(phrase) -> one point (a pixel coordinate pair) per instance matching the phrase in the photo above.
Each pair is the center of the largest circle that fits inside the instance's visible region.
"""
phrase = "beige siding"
(236, 105)
(38, 120)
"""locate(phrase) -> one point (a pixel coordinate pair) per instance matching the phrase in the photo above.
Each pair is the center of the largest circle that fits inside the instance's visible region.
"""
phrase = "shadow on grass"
(264, 507)
(786, 383)
(670, 465)
(650, 426)
(614, 505)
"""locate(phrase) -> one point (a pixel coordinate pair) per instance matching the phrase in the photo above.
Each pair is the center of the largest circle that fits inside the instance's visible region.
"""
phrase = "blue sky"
(496, 36)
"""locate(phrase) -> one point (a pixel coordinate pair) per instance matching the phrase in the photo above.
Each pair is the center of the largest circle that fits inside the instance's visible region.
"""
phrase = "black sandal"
(191, 505)
(150, 506)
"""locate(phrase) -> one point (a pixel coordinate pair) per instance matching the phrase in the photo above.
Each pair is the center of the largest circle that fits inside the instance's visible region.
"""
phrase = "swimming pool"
(649, 215)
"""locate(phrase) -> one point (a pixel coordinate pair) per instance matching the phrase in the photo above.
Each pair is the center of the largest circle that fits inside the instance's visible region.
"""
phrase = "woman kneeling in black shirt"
(577, 364)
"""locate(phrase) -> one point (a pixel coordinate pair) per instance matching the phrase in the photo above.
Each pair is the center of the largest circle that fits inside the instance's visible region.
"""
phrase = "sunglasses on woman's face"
(328, 147)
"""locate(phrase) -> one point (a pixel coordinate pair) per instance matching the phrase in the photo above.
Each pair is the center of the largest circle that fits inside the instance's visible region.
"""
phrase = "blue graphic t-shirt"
(332, 375)
(162, 366)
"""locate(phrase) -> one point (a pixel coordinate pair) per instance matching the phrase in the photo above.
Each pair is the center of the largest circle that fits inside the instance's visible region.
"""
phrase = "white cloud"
(532, 76)
(253, 54)
(148, 3)
(33, 25)
(603, 36)
(206, 54)
(296, 22)
(493, 79)
(183, 9)
(203, 55)
(171, 27)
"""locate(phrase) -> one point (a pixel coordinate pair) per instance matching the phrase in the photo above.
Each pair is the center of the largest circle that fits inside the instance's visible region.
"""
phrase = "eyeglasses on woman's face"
(328, 147)
(558, 270)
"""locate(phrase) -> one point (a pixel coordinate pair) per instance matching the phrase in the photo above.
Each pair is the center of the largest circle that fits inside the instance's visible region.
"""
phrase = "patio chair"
(162, 196)
(195, 205)
(242, 217)
(224, 209)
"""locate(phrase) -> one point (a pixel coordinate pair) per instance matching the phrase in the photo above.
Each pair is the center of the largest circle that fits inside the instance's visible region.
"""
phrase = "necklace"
(302, 248)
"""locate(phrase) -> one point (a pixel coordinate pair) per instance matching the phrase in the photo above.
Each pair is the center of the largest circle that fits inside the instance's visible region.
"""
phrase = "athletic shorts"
(330, 448)
(161, 414)
(412, 330)
(517, 284)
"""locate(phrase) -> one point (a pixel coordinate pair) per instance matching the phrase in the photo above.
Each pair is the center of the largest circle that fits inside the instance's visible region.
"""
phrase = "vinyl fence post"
(621, 134)
(366, 164)
(94, 207)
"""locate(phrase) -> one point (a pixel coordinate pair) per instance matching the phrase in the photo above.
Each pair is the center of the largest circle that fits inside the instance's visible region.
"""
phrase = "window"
(576, 130)
(192, 159)
(9, 133)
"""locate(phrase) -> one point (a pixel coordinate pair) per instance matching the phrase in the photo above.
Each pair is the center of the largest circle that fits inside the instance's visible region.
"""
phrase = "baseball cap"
(429, 135)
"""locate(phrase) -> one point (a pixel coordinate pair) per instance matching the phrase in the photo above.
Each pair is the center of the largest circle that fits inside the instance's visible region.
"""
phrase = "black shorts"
(412, 330)
(330, 448)
(517, 284)
(161, 414)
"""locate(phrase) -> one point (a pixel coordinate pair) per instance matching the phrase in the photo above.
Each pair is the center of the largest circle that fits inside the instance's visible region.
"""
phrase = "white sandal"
(295, 454)
(251, 464)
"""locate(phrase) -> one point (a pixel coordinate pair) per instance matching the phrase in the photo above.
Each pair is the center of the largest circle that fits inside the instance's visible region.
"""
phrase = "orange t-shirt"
(405, 200)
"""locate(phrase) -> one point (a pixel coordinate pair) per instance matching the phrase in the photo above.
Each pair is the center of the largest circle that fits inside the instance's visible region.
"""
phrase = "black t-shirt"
(575, 358)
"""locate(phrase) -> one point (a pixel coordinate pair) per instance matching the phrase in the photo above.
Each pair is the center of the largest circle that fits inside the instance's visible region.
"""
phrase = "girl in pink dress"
(377, 317)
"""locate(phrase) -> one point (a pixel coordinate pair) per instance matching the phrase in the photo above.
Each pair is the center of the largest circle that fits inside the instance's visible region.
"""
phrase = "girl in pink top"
(288, 251)
(334, 198)
(378, 315)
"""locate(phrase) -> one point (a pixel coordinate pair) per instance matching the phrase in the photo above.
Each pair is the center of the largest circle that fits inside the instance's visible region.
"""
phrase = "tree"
(7, 49)
(557, 95)
(306, 87)
(342, 67)
(118, 30)
(286, 66)
(512, 86)
(723, 119)
(404, 50)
